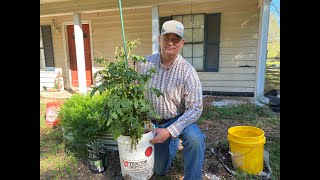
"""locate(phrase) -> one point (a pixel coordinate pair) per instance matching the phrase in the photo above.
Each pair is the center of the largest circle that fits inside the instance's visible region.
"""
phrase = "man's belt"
(162, 121)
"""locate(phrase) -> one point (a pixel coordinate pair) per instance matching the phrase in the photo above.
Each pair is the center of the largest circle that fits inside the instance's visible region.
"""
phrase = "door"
(73, 57)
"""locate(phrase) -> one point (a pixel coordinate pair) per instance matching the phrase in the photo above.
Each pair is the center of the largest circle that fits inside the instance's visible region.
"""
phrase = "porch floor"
(63, 94)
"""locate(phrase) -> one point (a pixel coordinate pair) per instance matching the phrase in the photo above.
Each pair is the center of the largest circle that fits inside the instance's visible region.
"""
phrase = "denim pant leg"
(165, 152)
(193, 142)
(164, 155)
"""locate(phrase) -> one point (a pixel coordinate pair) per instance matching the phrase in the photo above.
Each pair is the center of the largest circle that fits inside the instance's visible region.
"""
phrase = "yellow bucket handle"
(242, 154)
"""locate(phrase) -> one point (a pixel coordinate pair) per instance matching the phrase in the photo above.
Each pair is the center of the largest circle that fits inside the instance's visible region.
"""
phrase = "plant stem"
(123, 36)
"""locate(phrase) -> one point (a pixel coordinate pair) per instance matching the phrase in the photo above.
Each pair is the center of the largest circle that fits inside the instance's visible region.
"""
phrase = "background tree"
(273, 37)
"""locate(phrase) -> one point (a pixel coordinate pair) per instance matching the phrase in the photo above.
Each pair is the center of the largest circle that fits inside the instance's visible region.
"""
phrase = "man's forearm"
(184, 120)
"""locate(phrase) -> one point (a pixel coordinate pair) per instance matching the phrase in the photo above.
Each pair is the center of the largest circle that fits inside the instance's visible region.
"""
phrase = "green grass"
(42, 115)
(273, 147)
(272, 62)
(55, 162)
(248, 112)
(272, 76)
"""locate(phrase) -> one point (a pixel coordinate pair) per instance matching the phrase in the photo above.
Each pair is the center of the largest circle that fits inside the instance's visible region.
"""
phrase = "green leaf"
(119, 111)
(93, 91)
(114, 115)
(157, 91)
(136, 104)
(109, 122)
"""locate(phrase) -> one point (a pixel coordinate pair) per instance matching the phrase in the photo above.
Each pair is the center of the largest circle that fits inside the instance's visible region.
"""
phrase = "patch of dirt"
(46, 100)
(85, 173)
(113, 169)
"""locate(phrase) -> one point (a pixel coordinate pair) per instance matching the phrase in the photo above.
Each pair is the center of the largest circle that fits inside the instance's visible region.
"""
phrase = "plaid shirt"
(182, 91)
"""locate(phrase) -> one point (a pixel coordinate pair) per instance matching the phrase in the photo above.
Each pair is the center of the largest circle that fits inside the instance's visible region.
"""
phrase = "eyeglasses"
(174, 40)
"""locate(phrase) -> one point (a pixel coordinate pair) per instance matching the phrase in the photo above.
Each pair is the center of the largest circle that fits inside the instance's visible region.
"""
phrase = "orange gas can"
(52, 109)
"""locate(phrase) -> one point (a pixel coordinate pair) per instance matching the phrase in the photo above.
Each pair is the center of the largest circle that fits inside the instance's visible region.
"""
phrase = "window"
(192, 50)
(46, 48)
(42, 60)
(202, 39)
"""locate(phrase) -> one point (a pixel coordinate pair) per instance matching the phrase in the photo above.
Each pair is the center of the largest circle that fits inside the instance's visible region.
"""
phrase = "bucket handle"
(243, 153)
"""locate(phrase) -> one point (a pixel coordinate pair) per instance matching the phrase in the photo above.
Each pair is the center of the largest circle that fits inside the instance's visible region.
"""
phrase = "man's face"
(170, 43)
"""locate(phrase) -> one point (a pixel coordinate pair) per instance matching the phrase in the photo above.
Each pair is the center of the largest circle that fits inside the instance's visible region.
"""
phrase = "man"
(179, 107)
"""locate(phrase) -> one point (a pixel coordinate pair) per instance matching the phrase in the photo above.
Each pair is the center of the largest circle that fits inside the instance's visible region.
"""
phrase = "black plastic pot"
(98, 164)
(274, 102)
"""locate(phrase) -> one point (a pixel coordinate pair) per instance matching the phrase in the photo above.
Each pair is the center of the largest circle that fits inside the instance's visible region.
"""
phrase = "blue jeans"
(193, 151)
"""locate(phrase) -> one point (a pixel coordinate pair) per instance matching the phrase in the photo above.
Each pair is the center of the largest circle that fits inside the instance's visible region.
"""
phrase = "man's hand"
(161, 136)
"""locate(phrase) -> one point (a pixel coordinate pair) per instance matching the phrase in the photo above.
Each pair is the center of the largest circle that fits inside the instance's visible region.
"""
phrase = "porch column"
(155, 29)
(262, 51)
(78, 34)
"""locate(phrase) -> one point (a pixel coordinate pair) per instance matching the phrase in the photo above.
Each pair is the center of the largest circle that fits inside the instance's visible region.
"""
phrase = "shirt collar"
(174, 62)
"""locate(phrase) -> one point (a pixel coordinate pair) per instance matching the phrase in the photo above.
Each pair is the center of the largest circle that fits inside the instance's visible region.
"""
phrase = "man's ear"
(182, 42)
(159, 38)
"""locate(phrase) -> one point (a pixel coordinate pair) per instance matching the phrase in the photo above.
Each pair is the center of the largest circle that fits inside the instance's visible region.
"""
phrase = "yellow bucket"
(246, 144)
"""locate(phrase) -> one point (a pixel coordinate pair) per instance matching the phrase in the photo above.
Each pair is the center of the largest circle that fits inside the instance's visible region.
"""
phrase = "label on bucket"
(52, 114)
(135, 165)
(138, 169)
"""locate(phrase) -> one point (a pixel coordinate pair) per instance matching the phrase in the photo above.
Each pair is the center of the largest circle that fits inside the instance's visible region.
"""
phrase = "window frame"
(205, 43)
(195, 42)
(42, 48)
(48, 53)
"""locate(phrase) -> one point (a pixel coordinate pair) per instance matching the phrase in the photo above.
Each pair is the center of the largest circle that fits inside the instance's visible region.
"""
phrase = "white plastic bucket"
(136, 164)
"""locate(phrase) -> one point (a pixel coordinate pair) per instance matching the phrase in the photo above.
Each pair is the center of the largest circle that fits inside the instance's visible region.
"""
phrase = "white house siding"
(238, 38)
(106, 34)
(48, 78)
(238, 42)
(56, 7)
(58, 49)
(58, 45)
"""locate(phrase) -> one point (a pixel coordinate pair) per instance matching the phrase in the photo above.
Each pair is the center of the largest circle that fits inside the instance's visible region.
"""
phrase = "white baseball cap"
(172, 26)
